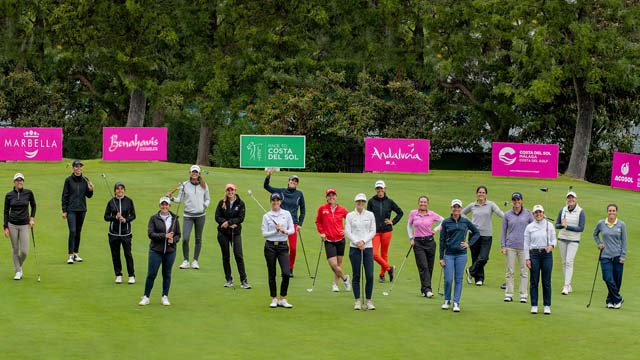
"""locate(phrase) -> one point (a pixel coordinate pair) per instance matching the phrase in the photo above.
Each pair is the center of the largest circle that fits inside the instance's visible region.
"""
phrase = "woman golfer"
(539, 241)
(453, 252)
(360, 228)
(18, 221)
(120, 212)
(420, 229)
(481, 210)
(164, 233)
(570, 221)
(229, 216)
(277, 225)
(611, 236)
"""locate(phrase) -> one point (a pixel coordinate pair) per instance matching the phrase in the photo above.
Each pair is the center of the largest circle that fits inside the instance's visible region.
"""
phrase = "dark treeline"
(461, 73)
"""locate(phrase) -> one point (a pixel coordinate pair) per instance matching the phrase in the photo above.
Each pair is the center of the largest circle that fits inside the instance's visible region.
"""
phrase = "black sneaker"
(381, 279)
(391, 272)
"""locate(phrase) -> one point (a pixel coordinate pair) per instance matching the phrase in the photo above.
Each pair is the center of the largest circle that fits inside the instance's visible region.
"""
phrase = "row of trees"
(461, 73)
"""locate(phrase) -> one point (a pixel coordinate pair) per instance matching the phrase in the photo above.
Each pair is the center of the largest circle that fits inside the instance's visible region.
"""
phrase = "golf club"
(395, 278)
(362, 277)
(106, 184)
(594, 279)
(262, 207)
(439, 281)
(232, 255)
(305, 253)
(315, 274)
(35, 252)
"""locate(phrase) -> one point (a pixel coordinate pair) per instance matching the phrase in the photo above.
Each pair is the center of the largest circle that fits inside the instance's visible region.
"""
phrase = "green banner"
(265, 151)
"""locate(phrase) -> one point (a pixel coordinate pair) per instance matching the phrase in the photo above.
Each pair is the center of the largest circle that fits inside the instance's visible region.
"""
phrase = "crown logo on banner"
(31, 134)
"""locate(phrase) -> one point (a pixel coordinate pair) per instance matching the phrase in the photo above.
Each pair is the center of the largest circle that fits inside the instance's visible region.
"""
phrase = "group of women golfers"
(527, 237)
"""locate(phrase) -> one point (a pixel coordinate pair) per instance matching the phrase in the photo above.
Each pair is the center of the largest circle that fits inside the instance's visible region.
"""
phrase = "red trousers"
(293, 240)
(381, 250)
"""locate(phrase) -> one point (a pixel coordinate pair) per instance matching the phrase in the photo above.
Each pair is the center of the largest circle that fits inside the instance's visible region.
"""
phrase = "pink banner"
(525, 160)
(134, 143)
(31, 144)
(625, 171)
(400, 155)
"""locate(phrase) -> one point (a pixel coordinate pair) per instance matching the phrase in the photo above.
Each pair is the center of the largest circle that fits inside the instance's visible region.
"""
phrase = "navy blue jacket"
(292, 199)
(453, 233)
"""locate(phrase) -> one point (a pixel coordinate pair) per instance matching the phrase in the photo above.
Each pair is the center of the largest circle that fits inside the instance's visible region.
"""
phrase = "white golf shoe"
(144, 301)
(119, 279)
(132, 280)
(184, 265)
(18, 275)
(165, 300)
(347, 283)
(284, 303)
(194, 265)
(445, 305)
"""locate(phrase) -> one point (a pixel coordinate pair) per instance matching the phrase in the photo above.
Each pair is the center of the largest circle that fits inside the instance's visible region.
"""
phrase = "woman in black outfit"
(229, 216)
(120, 212)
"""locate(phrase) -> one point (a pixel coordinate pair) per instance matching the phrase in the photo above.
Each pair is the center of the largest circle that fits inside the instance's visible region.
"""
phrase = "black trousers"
(480, 256)
(114, 243)
(236, 242)
(277, 251)
(424, 249)
(75, 220)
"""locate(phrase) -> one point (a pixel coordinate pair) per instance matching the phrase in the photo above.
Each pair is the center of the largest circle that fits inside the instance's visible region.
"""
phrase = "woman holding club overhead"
(360, 228)
(481, 210)
(229, 216)
(120, 212)
(19, 218)
(453, 252)
(277, 225)
(570, 221)
(610, 235)
(77, 188)
(164, 232)
(539, 241)
(195, 195)
(421, 231)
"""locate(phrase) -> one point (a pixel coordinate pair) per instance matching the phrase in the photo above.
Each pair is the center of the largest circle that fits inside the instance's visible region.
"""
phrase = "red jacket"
(330, 222)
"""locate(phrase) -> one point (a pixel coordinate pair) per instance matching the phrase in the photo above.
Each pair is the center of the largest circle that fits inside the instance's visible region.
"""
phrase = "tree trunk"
(137, 108)
(204, 145)
(157, 117)
(582, 139)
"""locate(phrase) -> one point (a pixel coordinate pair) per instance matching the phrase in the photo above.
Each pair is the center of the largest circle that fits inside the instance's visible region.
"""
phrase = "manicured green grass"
(76, 311)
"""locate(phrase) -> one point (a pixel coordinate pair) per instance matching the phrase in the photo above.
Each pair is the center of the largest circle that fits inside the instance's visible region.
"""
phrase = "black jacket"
(16, 207)
(157, 231)
(381, 209)
(125, 207)
(234, 215)
(74, 192)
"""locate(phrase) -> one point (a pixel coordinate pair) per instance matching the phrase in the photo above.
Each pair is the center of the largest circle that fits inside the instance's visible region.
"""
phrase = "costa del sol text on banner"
(279, 151)
(396, 155)
(524, 160)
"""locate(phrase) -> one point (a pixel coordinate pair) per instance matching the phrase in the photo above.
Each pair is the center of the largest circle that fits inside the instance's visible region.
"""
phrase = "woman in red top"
(329, 222)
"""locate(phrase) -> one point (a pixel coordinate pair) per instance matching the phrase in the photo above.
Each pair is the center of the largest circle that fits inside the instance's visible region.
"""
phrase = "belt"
(543, 250)
(276, 243)
(430, 237)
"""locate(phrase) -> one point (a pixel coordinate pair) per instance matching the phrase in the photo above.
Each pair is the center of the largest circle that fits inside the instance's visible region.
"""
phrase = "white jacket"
(360, 226)
(196, 199)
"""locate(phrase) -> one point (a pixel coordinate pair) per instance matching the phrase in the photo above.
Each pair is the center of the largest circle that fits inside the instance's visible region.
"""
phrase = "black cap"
(77, 163)
(516, 195)
(275, 196)
(118, 184)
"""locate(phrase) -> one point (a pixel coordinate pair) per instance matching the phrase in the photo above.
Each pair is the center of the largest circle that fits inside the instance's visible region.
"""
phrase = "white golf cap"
(538, 208)
(195, 168)
(18, 176)
(572, 193)
(381, 184)
(165, 199)
(455, 202)
(361, 197)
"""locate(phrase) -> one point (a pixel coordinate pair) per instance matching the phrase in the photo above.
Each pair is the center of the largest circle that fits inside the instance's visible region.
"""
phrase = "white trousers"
(568, 250)
(511, 256)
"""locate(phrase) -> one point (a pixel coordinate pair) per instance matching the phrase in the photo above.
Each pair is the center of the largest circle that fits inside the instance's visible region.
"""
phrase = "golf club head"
(544, 189)
(385, 293)
(250, 192)
(570, 187)
(38, 278)
(104, 176)
(310, 290)
(506, 203)
(205, 171)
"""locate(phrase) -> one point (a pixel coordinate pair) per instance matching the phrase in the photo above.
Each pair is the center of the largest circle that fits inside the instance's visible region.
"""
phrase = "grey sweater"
(482, 215)
(614, 239)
